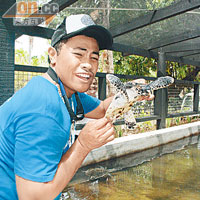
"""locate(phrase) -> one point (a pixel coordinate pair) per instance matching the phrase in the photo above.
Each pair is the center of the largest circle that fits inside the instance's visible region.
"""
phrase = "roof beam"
(189, 54)
(181, 48)
(150, 54)
(37, 31)
(133, 50)
(192, 54)
(63, 3)
(182, 60)
(155, 16)
(182, 51)
(176, 39)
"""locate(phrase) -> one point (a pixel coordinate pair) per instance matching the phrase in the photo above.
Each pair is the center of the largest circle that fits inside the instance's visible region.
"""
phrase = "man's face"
(77, 63)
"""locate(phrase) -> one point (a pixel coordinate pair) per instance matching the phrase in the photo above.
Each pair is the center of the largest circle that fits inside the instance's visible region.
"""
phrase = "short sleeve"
(89, 103)
(39, 145)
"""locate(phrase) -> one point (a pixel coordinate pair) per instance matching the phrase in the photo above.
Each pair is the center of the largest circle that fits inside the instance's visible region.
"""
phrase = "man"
(38, 156)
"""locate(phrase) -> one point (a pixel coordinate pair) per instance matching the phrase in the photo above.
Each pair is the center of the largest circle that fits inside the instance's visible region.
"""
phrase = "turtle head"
(169, 80)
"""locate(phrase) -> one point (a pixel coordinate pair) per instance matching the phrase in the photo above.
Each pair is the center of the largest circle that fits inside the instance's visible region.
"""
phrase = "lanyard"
(79, 108)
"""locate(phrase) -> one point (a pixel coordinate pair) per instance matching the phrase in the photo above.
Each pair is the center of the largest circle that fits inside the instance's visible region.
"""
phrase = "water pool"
(169, 172)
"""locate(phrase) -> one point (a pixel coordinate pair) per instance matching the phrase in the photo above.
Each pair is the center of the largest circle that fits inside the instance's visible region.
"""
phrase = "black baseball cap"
(82, 24)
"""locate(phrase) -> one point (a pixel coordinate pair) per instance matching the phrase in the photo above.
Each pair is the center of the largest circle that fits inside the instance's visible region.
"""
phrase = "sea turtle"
(128, 93)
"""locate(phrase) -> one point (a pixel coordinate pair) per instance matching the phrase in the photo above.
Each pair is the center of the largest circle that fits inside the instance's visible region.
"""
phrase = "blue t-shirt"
(34, 129)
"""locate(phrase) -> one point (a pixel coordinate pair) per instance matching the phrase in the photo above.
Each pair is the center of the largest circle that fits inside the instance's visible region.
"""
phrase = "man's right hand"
(96, 133)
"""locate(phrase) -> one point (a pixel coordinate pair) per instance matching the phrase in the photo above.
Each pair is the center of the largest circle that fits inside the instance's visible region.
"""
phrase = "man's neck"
(46, 76)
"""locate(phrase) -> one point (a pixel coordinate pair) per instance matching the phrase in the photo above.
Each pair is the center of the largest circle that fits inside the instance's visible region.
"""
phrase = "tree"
(134, 65)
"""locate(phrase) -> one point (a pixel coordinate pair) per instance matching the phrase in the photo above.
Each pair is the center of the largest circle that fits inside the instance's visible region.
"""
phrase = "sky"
(40, 45)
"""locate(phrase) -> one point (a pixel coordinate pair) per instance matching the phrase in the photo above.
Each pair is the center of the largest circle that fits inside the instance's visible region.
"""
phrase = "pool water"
(172, 176)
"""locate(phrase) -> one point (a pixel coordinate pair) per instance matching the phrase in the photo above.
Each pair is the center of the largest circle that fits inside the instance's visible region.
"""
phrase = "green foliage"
(157, 4)
(180, 71)
(23, 58)
(140, 66)
(133, 65)
(176, 121)
(189, 119)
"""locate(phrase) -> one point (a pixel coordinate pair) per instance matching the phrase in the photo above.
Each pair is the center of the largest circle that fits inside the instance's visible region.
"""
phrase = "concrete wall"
(139, 142)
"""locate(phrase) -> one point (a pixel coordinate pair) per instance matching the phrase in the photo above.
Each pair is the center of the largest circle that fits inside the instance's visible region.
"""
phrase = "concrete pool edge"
(139, 142)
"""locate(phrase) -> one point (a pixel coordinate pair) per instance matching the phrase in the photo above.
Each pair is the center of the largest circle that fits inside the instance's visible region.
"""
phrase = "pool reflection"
(168, 176)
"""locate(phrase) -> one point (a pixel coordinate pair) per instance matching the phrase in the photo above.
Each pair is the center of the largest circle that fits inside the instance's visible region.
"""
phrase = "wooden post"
(7, 45)
(196, 98)
(102, 88)
(161, 95)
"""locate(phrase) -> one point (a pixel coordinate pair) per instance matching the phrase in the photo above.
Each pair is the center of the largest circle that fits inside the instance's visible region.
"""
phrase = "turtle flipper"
(161, 82)
(115, 81)
(129, 119)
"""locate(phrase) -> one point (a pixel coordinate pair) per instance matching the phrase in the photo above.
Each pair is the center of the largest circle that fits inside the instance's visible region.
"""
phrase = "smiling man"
(38, 152)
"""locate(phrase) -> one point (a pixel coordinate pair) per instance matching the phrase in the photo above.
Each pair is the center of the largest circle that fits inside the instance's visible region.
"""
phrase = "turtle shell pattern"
(127, 94)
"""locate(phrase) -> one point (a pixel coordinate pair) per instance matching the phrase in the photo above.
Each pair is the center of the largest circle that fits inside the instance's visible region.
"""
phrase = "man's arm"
(69, 163)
